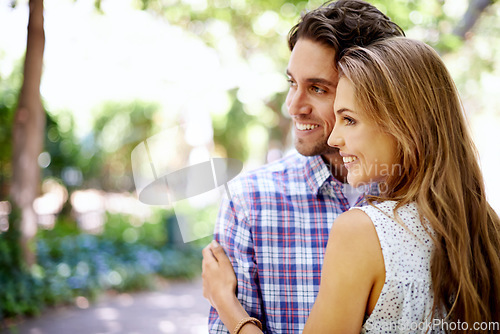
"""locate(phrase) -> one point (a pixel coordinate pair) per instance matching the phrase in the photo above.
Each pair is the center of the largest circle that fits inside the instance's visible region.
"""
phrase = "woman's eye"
(348, 120)
(291, 82)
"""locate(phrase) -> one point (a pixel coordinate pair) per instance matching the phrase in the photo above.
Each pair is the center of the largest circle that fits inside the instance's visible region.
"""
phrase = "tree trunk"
(28, 133)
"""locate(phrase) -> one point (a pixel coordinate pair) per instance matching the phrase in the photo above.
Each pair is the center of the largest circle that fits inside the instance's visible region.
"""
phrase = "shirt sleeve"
(233, 231)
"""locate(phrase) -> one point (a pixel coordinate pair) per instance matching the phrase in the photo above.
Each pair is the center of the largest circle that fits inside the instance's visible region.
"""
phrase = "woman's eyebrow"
(342, 110)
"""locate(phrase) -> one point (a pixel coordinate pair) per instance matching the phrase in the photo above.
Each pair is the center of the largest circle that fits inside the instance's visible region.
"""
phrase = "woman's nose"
(335, 139)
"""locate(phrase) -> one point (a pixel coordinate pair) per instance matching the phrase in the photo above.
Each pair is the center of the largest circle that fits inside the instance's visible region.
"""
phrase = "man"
(275, 227)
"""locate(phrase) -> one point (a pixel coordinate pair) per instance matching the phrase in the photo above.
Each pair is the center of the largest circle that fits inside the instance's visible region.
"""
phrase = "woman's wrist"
(231, 312)
(225, 301)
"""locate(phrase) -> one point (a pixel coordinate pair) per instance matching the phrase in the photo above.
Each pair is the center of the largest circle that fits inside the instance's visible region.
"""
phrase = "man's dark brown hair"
(342, 24)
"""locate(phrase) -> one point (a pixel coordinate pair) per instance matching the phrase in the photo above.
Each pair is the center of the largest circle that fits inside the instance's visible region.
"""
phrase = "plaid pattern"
(275, 231)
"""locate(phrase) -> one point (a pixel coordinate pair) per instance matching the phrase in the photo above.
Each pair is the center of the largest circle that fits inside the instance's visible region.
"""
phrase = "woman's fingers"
(213, 277)
(207, 254)
(219, 254)
(209, 266)
(219, 280)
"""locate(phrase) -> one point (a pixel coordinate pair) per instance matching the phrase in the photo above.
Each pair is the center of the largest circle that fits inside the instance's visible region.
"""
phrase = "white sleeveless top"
(405, 302)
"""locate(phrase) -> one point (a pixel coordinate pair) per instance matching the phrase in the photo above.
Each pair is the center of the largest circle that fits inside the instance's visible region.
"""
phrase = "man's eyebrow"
(320, 81)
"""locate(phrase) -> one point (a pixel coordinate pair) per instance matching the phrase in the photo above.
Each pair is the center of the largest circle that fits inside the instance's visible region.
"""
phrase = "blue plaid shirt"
(275, 232)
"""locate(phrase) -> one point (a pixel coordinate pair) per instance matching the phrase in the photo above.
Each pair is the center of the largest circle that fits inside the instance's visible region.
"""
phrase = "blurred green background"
(117, 72)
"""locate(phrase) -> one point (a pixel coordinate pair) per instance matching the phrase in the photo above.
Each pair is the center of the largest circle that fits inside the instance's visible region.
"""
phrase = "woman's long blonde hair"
(404, 86)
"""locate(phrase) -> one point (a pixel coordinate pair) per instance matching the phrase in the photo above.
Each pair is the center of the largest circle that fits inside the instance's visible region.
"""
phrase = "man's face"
(313, 85)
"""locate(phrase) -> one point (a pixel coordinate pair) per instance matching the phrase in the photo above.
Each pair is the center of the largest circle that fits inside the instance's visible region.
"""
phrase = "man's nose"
(297, 102)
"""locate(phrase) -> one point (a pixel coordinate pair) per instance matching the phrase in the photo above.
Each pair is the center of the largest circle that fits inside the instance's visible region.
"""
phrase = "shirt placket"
(338, 194)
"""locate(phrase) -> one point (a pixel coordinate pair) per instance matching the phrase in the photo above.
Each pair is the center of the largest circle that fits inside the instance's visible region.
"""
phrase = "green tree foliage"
(263, 23)
(9, 88)
(62, 145)
(72, 264)
(118, 128)
(261, 26)
(19, 290)
(228, 130)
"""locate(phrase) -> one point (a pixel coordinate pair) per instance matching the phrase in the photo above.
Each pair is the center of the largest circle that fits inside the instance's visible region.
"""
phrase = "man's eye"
(291, 83)
(318, 90)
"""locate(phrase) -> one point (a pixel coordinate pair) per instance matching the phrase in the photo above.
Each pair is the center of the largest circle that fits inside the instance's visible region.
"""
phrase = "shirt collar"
(316, 172)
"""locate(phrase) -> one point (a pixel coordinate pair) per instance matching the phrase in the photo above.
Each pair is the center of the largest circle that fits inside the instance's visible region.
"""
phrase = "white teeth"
(300, 126)
(349, 159)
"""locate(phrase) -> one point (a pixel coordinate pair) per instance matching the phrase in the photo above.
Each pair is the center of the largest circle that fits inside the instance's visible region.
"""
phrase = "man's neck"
(336, 166)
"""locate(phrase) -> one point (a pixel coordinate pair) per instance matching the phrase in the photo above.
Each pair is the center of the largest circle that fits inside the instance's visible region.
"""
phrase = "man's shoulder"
(293, 160)
(272, 177)
(289, 165)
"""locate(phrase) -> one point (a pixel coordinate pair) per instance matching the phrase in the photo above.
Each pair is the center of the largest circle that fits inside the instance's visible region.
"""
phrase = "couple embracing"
(416, 251)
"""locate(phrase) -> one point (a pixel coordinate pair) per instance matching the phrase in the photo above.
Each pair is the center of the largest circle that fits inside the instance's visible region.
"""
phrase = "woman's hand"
(219, 280)
(219, 287)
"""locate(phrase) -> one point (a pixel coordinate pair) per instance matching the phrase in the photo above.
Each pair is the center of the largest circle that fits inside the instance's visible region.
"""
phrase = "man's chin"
(315, 150)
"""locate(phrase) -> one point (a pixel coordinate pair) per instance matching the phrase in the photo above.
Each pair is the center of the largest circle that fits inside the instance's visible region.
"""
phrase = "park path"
(178, 307)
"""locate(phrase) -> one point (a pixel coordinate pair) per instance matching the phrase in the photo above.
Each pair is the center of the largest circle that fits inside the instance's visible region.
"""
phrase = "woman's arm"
(219, 286)
(352, 276)
(233, 233)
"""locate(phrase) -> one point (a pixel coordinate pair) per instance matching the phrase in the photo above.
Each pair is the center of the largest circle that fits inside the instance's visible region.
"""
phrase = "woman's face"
(369, 154)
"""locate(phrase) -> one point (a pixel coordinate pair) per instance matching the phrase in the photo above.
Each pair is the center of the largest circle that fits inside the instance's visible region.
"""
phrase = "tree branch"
(476, 8)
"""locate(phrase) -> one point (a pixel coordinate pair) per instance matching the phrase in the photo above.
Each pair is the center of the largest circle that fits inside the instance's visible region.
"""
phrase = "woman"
(424, 255)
